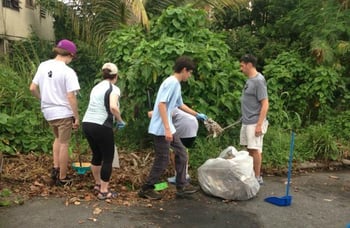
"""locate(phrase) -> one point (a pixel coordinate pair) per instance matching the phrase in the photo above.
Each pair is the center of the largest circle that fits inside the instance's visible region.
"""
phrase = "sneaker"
(186, 190)
(55, 172)
(150, 194)
(64, 182)
(260, 180)
(172, 180)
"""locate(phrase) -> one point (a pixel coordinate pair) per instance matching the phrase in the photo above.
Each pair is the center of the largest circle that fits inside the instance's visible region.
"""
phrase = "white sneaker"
(260, 180)
(172, 180)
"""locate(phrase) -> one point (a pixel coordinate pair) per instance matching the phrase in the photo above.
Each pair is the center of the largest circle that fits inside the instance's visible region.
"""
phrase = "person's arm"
(73, 102)
(199, 116)
(113, 101)
(262, 116)
(187, 109)
(149, 114)
(34, 90)
(163, 115)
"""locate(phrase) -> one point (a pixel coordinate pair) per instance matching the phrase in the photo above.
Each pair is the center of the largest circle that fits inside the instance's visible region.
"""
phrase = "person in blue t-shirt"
(186, 126)
(164, 133)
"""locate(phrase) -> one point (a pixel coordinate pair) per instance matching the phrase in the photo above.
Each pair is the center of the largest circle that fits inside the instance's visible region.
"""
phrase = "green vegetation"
(303, 50)
(7, 198)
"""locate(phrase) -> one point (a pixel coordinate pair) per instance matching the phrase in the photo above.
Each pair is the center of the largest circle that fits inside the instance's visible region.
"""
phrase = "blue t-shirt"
(170, 93)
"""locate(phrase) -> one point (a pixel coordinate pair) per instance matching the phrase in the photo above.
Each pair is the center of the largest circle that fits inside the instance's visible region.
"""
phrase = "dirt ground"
(320, 199)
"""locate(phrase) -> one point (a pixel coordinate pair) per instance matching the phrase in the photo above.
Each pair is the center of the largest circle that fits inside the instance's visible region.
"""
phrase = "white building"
(19, 18)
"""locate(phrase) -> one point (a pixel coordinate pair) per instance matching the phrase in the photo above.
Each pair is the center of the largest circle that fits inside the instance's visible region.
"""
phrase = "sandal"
(107, 195)
(96, 188)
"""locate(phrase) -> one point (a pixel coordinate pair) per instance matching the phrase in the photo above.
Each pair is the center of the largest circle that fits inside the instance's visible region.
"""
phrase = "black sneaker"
(150, 194)
(55, 172)
(186, 190)
(64, 182)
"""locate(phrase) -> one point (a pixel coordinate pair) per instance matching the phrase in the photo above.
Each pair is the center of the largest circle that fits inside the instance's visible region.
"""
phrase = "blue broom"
(287, 199)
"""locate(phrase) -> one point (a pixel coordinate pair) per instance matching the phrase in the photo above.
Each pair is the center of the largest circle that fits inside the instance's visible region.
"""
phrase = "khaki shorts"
(62, 129)
(248, 138)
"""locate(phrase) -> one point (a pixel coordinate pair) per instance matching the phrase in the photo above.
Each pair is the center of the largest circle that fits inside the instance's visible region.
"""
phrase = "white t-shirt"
(55, 79)
(186, 124)
(96, 111)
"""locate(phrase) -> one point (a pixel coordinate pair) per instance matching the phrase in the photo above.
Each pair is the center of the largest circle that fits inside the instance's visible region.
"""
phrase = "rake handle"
(231, 125)
(290, 162)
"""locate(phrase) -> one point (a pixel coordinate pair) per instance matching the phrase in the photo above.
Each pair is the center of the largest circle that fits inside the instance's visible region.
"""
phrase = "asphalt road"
(320, 199)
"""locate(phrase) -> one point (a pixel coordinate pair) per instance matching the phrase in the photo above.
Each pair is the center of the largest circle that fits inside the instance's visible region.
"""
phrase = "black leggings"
(101, 141)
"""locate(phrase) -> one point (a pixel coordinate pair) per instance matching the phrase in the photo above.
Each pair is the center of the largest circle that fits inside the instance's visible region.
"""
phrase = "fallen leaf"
(87, 197)
(76, 203)
(33, 188)
(126, 203)
(37, 183)
(97, 211)
(334, 177)
(73, 200)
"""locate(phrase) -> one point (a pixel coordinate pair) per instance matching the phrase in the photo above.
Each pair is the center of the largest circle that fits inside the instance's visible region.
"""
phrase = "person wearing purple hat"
(56, 84)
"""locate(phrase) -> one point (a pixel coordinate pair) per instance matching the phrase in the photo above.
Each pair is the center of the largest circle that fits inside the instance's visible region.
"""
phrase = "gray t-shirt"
(186, 125)
(254, 91)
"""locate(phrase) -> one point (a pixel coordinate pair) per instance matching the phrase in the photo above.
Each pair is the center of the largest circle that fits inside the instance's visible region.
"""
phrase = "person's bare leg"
(56, 153)
(257, 158)
(63, 159)
(104, 186)
(96, 172)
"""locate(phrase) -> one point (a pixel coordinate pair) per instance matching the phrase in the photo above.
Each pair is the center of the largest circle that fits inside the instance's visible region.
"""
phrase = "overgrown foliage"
(20, 116)
(146, 60)
(303, 50)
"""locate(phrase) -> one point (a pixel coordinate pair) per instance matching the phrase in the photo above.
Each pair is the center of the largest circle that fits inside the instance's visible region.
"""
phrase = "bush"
(22, 127)
(145, 60)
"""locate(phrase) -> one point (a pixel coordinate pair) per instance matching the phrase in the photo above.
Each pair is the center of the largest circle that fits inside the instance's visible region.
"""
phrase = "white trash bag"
(229, 176)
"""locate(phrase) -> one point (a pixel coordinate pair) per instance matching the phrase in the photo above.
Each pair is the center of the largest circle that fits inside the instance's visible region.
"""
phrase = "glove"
(120, 124)
(201, 116)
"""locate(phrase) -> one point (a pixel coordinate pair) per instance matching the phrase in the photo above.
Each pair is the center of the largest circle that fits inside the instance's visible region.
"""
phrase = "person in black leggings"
(102, 111)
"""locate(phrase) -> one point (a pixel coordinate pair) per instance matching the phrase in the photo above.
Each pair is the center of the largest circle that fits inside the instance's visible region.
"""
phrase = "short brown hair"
(184, 62)
(249, 58)
(60, 51)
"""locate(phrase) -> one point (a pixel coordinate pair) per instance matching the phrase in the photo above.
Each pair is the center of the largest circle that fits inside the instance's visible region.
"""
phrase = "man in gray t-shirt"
(254, 107)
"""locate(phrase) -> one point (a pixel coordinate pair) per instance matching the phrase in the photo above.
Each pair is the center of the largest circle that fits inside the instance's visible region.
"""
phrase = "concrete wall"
(17, 24)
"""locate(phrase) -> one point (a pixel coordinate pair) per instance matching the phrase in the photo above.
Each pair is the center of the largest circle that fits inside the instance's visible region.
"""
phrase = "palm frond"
(138, 9)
